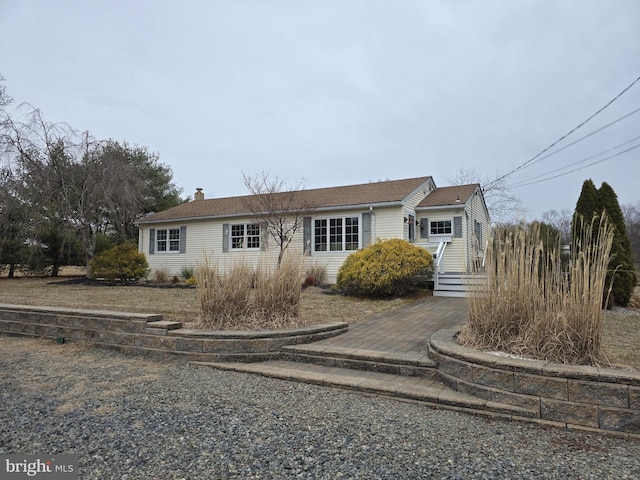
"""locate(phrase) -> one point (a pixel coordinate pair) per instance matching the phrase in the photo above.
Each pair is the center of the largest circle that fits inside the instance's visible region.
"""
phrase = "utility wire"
(518, 184)
(580, 168)
(565, 135)
(598, 130)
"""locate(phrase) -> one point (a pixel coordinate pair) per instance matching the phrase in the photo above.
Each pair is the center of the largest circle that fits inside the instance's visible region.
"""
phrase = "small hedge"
(122, 262)
(387, 268)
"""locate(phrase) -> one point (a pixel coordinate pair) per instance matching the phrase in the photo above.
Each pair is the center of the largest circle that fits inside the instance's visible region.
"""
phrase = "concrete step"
(360, 359)
(397, 386)
(454, 287)
(449, 293)
(164, 325)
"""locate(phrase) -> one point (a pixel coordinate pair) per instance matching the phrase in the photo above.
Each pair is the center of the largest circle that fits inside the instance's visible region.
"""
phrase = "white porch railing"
(439, 267)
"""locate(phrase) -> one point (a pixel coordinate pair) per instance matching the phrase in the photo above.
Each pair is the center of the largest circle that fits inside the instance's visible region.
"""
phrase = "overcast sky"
(341, 92)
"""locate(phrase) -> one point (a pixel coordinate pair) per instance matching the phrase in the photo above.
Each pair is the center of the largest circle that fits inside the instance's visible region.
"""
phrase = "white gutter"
(249, 214)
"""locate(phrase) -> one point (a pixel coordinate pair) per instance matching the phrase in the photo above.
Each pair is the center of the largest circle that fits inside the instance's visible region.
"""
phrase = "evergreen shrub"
(122, 262)
(387, 268)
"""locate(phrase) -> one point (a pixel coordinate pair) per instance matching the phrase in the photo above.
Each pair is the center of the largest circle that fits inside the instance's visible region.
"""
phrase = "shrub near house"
(122, 262)
(387, 268)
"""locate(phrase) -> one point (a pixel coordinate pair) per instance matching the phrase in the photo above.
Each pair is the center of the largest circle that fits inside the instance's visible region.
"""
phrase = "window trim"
(168, 241)
(450, 234)
(346, 231)
(246, 238)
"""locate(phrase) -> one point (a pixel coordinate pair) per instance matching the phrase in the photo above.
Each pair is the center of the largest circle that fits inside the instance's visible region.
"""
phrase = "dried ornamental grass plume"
(527, 305)
(244, 299)
(223, 298)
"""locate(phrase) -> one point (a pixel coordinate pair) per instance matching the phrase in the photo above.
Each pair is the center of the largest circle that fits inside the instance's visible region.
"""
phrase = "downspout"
(468, 239)
(373, 225)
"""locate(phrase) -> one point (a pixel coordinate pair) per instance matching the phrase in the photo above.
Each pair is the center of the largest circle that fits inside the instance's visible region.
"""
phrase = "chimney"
(199, 195)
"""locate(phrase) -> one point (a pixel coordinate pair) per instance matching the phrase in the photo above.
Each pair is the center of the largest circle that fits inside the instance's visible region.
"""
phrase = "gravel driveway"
(128, 418)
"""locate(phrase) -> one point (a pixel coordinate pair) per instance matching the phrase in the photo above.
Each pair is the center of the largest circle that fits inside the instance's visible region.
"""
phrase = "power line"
(590, 134)
(518, 184)
(566, 134)
(580, 168)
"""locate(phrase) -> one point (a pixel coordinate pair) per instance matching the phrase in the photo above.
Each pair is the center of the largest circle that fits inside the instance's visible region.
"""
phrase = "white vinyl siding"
(478, 215)
(441, 220)
(205, 238)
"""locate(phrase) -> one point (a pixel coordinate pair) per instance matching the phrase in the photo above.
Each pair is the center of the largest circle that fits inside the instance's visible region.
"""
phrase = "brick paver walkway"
(405, 329)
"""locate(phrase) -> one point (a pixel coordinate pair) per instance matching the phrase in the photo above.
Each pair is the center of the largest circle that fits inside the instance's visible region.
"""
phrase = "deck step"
(449, 293)
(414, 388)
(359, 359)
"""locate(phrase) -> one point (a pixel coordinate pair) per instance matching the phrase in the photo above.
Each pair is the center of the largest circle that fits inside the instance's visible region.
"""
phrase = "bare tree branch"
(279, 206)
(504, 207)
(561, 221)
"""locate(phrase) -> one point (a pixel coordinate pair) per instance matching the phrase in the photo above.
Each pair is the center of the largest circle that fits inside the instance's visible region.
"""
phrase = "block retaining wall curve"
(573, 396)
(137, 333)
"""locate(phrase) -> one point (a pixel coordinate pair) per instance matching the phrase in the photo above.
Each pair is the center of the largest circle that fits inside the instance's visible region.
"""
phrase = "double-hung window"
(336, 234)
(168, 240)
(245, 236)
(478, 228)
(440, 227)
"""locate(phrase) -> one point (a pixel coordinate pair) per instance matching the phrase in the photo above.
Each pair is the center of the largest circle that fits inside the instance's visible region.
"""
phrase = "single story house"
(451, 222)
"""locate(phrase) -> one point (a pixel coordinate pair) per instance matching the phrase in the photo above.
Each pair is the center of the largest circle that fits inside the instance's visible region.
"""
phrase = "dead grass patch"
(318, 305)
(621, 342)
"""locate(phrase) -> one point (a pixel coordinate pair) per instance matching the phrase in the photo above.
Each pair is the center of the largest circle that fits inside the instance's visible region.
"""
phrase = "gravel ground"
(128, 418)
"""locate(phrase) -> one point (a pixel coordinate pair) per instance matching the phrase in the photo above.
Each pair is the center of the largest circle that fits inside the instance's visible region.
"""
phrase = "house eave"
(442, 207)
(360, 206)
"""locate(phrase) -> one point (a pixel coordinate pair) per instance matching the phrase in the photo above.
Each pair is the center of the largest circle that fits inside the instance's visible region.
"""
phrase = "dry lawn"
(622, 335)
(621, 338)
(177, 304)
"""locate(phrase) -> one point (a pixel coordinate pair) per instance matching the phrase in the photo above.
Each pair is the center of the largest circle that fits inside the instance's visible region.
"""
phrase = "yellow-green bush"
(122, 262)
(384, 269)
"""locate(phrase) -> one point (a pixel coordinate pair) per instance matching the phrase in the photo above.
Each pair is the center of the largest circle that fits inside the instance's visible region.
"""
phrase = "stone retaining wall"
(581, 397)
(150, 336)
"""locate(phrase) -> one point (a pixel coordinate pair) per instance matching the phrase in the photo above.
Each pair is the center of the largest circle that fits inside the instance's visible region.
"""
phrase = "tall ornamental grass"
(246, 299)
(527, 305)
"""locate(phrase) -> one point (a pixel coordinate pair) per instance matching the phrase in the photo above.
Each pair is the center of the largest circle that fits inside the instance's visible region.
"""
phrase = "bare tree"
(5, 101)
(632, 220)
(560, 220)
(279, 206)
(68, 178)
(504, 207)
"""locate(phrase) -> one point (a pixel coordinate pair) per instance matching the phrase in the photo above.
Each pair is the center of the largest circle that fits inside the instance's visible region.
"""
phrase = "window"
(336, 234)
(168, 240)
(478, 227)
(412, 228)
(253, 235)
(320, 235)
(351, 233)
(245, 236)
(440, 227)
